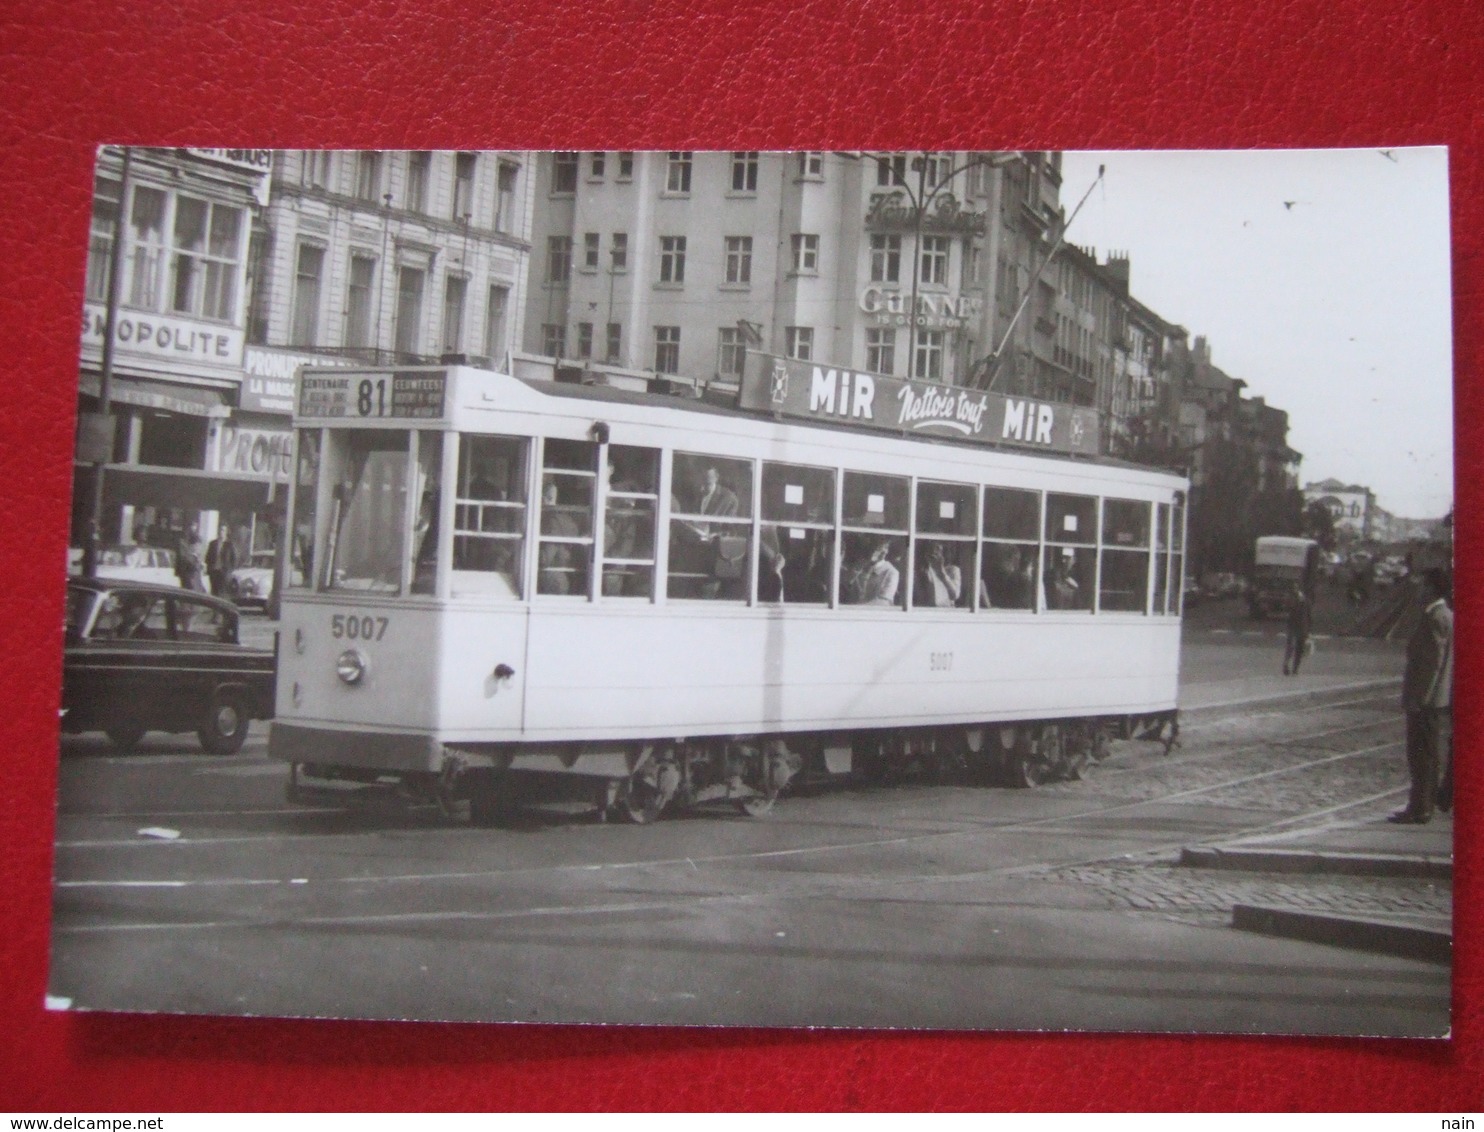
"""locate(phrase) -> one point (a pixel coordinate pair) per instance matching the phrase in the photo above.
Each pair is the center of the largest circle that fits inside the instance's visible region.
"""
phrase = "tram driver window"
(1123, 581)
(873, 521)
(1070, 567)
(1009, 567)
(797, 543)
(1161, 557)
(628, 521)
(366, 532)
(943, 555)
(568, 477)
(426, 489)
(489, 517)
(306, 485)
(710, 527)
(1177, 553)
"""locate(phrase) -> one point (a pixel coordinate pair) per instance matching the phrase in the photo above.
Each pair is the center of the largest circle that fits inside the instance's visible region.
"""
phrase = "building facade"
(674, 263)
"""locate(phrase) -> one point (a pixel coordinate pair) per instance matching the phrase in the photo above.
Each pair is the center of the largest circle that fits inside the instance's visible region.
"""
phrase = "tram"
(502, 588)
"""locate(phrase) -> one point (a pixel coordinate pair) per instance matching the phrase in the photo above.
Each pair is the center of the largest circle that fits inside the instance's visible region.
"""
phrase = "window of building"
(358, 301)
(1010, 563)
(730, 352)
(259, 289)
(409, 310)
(739, 259)
(935, 168)
(558, 259)
(873, 551)
(489, 517)
(811, 164)
(615, 341)
(418, 166)
(1069, 567)
(618, 253)
(314, 169)
(564, 172)
(672, 259)
(667, 349)
(568, 487)
(507, 179)
(805, 253)
(934, 259)
(453, 314)
(309, 269)
(553, 339)
(710, 528)
(928, 364)
(494, 322)
(800, 340)
(1123, 577)
(677, 171)
(796, 549)
(891, 169)
(744, 171)
(368, 175)
(590, 250)
(631, 504)
(584, 339)
(100, 235)
(596, 164)
(203, 267)
(146, 250)
(881, 350)
(626, 165)
(464, 166)
(886, 259)
(943, 553)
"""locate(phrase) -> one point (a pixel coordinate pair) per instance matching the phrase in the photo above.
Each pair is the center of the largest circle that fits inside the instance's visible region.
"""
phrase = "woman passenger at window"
(940, 582)
(876, 580)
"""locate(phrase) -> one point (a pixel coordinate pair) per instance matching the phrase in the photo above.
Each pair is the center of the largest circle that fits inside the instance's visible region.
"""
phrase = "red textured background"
(659, 74)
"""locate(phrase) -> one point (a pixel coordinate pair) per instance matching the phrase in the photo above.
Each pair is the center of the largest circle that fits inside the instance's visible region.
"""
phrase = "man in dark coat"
(1427, 698)
(221, 560)
(1300, 616)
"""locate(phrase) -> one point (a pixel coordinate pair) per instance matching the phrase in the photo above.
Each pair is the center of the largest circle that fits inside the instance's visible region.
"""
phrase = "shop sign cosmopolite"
(163, 338)
(810, 391)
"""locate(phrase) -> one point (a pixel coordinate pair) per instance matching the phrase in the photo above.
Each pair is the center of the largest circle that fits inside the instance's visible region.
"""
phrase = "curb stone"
(1317, 861)
(1409, 941)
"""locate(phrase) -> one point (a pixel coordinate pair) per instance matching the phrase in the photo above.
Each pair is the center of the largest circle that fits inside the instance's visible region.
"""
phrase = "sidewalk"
(1369, 848)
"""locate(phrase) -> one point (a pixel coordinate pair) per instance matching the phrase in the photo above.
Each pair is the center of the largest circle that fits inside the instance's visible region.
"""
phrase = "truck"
(1279, 562)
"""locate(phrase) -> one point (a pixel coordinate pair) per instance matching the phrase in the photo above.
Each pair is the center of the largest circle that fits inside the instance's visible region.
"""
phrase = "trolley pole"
(101, 434)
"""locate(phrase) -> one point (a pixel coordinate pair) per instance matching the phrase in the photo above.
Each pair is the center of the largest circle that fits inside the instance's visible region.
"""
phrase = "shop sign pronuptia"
(811, 391)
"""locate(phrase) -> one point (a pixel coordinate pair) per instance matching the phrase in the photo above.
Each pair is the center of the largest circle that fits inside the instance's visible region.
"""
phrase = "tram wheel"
(1031, 756)
(640, 801)
(758, 804)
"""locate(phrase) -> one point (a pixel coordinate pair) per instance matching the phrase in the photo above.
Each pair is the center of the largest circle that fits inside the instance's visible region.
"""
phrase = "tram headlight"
(351, 666)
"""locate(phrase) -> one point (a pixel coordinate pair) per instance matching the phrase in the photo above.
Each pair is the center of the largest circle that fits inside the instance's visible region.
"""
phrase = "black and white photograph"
(948, 590)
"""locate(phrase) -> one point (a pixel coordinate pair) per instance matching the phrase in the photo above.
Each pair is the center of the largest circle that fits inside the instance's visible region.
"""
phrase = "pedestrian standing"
(189, 566)
(221, 560)
(1427, 698)
(1300, 615)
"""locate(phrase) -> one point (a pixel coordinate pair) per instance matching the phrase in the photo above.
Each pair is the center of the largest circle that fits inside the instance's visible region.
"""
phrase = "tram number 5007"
(351, 627)
(940, 661)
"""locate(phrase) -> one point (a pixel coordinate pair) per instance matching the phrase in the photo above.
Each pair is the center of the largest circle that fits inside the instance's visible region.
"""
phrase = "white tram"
(500, 585)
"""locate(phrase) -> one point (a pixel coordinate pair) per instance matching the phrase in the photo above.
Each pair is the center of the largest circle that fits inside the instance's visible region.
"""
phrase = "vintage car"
(252, 582)
(141, 657)
(130, 564)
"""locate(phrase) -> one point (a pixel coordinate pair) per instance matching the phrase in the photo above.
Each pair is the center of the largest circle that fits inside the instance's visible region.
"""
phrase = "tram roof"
(612, 395)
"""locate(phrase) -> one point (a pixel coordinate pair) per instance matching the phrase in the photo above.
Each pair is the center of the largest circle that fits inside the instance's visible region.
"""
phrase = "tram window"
(710, 528)
(426, 489)
(796, 553)
(1161, 557)
(943, 564)
(1177, 556)
(1072, 520)
(1008, 577)
(1012, 515)
(1071, 577)
(306, 484)
(1123, 579)
(366, 537)
(875, 502)
(489, 519)
(567, 482)
(628, 524)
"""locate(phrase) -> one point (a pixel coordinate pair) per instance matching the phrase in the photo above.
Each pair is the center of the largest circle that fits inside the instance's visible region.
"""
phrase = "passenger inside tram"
(940, 582)
(869, 576)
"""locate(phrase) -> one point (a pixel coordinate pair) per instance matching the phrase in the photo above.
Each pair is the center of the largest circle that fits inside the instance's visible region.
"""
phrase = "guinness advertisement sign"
(811, 391)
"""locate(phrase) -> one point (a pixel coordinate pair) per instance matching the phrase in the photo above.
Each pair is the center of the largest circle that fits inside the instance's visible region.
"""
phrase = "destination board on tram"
(383, 395)
(813, 391)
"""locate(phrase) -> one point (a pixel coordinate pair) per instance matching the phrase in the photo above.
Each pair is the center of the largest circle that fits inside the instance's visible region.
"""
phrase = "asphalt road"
(185, 883)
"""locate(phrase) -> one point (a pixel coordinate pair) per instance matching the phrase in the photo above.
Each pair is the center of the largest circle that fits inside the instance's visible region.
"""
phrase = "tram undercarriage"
(639, 782)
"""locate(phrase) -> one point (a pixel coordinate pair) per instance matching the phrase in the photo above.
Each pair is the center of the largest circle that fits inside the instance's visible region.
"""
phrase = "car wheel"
(224, 729)
(126, 736)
